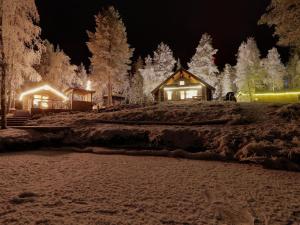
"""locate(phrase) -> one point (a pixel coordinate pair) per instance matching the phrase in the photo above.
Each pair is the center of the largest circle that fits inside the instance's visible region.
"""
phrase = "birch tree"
(293, 70)
(136, 95)
(275, 70)
(110, 55)
(248, 69)
(227, 80)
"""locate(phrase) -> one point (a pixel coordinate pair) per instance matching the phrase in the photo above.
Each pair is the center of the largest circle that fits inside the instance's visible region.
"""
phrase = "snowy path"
(73, 188)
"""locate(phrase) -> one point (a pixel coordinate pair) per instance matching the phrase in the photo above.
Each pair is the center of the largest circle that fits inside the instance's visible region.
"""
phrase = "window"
(182, 83)
(182, 95)
(40, 101)
(191, 93)
(169, 95)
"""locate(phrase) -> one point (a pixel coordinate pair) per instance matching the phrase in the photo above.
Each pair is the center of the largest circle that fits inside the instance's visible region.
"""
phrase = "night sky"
(179, 23)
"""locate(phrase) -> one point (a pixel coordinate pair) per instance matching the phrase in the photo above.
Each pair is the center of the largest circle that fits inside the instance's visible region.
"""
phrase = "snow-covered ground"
(80, 188)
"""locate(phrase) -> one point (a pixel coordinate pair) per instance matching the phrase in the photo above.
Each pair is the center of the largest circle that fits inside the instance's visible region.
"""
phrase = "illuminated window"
(191, 93)
(169, 95)
(182, 95)
(181, 83)
(40, 101)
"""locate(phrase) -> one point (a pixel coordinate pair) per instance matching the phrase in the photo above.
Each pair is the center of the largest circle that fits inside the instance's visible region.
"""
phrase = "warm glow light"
(88, 85)
(275, 94)
(191, 93)
(43, 88)
(169, 95)
(180, 88)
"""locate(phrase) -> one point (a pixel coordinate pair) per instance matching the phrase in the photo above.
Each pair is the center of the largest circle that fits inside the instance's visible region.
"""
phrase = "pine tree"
(110, 55)
(202, 64)
(136, 95)
(157, 69)
(227, 80)
(284, 15)
(248, 69)
(163, 61)
(275, 70)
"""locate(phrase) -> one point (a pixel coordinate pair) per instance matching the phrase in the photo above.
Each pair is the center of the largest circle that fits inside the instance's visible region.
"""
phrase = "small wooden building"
(116, 100)
(42, 97)
(80, 99)
(181, 86)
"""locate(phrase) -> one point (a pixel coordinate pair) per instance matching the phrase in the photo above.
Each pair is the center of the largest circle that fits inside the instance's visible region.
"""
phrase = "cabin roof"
(43, 87)
(189, 73)
(79, 91)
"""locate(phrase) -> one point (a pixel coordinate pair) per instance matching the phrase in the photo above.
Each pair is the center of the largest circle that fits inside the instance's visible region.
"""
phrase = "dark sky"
(179, 23)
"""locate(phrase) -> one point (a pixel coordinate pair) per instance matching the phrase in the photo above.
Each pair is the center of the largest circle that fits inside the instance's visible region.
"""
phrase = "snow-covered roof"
(180, 71)
(45, 87)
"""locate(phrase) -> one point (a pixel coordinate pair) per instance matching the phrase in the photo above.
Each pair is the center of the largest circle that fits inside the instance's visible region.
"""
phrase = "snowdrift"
(268, 134)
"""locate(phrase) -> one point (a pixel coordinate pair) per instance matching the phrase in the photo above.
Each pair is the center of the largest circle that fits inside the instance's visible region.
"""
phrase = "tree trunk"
(3, 72)
(109, 93)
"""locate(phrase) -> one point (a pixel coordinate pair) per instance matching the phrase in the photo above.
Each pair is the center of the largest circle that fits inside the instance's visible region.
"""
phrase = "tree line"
(25, 57)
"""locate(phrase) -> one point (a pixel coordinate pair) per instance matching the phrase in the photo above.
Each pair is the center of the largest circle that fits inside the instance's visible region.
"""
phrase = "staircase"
(19, 118)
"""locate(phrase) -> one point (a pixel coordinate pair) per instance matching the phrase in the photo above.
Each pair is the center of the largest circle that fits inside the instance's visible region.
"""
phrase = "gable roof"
(45, 87)
(189, 73)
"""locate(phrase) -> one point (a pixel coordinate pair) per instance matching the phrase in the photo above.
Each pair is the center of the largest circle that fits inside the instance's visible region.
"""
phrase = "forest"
(26, 58)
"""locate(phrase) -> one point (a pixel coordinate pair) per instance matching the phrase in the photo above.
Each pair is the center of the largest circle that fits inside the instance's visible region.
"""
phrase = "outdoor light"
(88, 85)
(180, 88)
(46, 88)
(274, 94)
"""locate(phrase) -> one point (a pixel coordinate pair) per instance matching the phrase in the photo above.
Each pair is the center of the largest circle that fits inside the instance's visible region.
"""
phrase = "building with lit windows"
(181, 86)
(42, 97)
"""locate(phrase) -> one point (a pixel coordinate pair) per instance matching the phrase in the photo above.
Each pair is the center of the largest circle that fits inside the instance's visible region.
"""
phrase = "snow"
(78, 188)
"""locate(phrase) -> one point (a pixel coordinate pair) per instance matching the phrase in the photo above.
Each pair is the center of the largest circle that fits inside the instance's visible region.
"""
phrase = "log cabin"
(183, 85)
(42, 97)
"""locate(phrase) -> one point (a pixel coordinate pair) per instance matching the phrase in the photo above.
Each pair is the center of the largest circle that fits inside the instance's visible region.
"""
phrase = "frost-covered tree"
(56, 68)
(3, 72)
(157, 69)
(21, 43)
(111, 55)
(293, 71)
(163, 61)
(248, 68)
(81, 77)
(284, 15)
(136, 95)
(150, 80)
(274, 70)
(227, 80)
(202, 64)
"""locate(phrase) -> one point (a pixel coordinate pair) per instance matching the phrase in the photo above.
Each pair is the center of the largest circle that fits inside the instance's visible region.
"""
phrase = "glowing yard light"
(88, 85)
(43, 88)
(274, 94)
